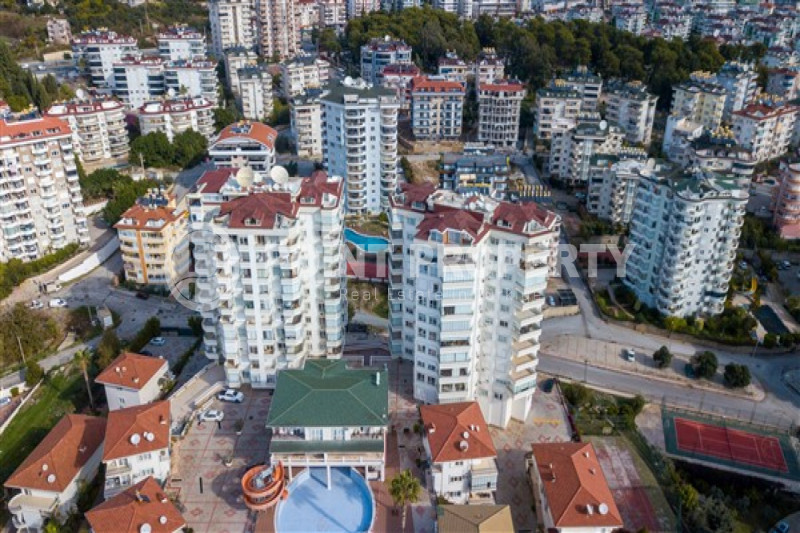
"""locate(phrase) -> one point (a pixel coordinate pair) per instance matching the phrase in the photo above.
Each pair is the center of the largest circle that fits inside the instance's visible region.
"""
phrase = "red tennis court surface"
(729, 444)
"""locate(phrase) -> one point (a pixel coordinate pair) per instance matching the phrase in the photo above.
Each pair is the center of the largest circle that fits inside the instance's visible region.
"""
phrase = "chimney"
(432, 428)
(139, 497)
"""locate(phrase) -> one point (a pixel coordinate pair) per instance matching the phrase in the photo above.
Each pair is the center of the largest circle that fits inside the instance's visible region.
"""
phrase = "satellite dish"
(45, 467)
(51, 478)
(171, 92)
(136, 439)
(465, 434)
(602, 509)
(279, 174)
(162, 519)
(603, 124)
(80, 94)
(149, 437)
(348, 80)
(145, 528)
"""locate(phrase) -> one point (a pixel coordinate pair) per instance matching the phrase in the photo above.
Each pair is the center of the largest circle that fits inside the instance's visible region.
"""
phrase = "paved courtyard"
(208, 490)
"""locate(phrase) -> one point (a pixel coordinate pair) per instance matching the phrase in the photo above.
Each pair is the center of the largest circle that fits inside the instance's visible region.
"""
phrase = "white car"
(231, 395)
(630, 355)
(36, 304)
(212, 415)
(158, 341)
(57, 302)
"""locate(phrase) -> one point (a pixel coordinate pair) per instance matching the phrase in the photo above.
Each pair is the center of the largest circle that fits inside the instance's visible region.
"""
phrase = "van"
(52, 286)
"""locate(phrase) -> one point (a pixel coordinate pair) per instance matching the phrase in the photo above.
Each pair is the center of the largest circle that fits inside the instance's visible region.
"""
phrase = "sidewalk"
(609, 355)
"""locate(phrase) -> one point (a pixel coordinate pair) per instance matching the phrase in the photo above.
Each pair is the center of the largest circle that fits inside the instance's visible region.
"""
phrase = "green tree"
(223, 116)
(100, 183)
(662, 357)
(83, 358)
(189, 148)
(404, 489)
(688, 496)
(33, 373)
(736, 376)
(705, 364)
(108, 348)
(154, 149)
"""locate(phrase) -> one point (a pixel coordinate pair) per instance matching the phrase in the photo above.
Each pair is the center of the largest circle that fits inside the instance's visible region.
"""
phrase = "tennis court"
(730, 444)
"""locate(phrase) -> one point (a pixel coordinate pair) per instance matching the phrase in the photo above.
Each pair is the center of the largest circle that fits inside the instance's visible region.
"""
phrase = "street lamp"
(754, 336)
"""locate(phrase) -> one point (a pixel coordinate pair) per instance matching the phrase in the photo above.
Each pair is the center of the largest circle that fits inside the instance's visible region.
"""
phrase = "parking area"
(172, 349)
(207, 489)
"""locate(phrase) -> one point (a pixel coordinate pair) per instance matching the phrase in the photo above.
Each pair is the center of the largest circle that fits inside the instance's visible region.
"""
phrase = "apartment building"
(98, 51)
(630, 18)
(137, 446)
(488, 67)
(41, 207)
(571, 149)
(570, 488)
(378, 53)
(153, 241)
(453, 68)
(587, 84)
(436, 108)
(306, 124)
(58, 31)
(49, 480)
(685, 229)
(475, 172)
(132, 379)
(232, 25)
(177, 115)
(278, 31)
(632, 108)
(245, 144)
(699, 100)
(765, 128)
(398, 78)
(235, 59)
(303, 72)
(192, 78)
(307, 15)
(499, 106)
(612, 183)
(459, 447)
(718, 151)
(143, 506)
(467, 282)
(556, 102)
(330, 416)
(272, 292)
(784, 83)
(678, 136)
(358, 8)
(255, 93)
(359, 143)
(138, 79)
(786, 201)
(99, 137)
(740, 81)
(181, 43)
(332, 13)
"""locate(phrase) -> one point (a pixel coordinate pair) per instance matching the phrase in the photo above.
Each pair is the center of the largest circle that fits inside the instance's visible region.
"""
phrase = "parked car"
(231, 395)
(551, 301)
(630, 355)
(782, 527)
(5, 400)
(743, 265)
(142, 295)
(36, 304)
(57, 302)
(145, 352)
(212, 415)
(158, 341)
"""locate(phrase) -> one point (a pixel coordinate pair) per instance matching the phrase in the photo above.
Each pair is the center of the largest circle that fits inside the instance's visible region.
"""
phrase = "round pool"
(368, 243)
(347, 507)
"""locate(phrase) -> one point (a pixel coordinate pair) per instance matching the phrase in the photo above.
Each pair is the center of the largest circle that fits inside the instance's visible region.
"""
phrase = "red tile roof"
(258, 210)
(502, 85)
(150, 424)
(61, 454)
(211, 181)
(424, 83)
(22, 131)
(400, 69)
(141, 215)
(446, 426)
(761, 111)
(143, 503)
(573, 480)
(255, 131)
(131, 370)
(450, 219)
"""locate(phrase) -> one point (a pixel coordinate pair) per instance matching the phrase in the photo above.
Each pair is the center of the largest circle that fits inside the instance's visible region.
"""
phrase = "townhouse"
(132, 380)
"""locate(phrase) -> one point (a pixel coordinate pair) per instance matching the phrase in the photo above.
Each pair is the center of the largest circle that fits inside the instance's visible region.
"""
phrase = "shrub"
(196, 325)
(737, 376)
(151, 328)
(770, 340)
(662, 357)
(14, 392)
(576, 394)
(705, 364)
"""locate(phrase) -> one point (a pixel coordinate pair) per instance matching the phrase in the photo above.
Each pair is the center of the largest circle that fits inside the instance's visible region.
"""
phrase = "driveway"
(208, 491)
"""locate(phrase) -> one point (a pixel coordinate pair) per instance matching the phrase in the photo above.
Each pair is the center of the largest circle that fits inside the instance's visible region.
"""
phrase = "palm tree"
(83, 358)
(404, 489)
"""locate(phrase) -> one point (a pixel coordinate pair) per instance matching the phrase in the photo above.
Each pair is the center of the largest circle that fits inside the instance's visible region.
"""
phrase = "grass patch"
(60, 394)
(368, 297)
(370, 224)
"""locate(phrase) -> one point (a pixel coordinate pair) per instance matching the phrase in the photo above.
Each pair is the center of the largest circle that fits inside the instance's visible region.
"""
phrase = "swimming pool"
(347, 507)
(369, 243)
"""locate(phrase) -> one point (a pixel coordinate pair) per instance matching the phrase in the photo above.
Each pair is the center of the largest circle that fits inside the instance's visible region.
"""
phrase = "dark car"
(142, 295)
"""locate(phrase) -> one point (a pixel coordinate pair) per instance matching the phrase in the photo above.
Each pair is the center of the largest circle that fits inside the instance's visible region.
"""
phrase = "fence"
(765, 422)
(91, 262)
(19, 407)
